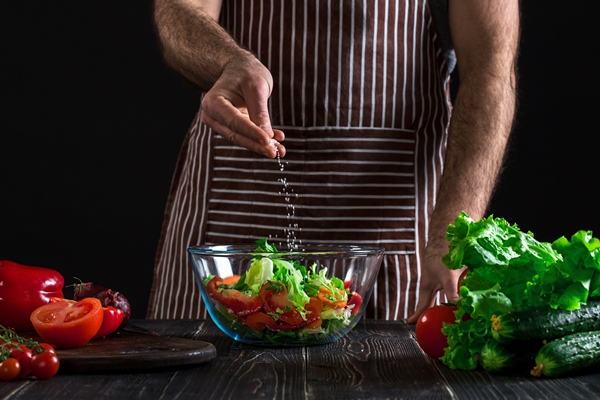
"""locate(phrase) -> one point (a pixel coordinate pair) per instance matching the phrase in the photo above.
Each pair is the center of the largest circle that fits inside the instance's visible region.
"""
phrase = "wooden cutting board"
(128, 351)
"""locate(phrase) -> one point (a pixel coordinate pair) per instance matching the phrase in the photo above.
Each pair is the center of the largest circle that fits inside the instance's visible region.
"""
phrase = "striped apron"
(361, 92)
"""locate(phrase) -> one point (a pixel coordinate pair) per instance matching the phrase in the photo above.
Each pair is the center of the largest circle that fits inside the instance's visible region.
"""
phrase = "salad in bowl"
(259, 295)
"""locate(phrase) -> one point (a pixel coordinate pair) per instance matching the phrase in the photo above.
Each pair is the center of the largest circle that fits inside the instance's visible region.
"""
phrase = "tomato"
(23, 289)
(68, 323)
(111, 321)
(429, 329)
(356, 300)
(237, 303)
(46, 347)
(274, 300)
(313, 318)
(9, 369)
(259, 321)
(23, 354)
(44, 365)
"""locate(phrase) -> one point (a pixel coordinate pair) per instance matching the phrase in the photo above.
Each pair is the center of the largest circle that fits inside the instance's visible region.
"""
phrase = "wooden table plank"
(379, 359)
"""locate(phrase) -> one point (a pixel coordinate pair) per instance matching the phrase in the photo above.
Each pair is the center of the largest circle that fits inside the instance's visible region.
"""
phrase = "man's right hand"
(236, 107)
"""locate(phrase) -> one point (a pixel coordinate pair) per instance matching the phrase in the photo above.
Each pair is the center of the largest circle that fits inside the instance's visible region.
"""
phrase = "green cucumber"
(498, 358)
(545, 323)
(568, 354)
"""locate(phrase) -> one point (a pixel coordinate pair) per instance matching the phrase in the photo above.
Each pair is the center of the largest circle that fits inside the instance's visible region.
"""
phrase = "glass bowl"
(316, 301)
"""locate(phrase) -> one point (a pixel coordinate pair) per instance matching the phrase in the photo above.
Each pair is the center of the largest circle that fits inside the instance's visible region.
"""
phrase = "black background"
(92, 121)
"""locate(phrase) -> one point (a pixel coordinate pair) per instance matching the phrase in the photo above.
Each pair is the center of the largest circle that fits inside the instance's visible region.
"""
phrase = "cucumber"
(498, 358)
(540, 324)
(568, 354)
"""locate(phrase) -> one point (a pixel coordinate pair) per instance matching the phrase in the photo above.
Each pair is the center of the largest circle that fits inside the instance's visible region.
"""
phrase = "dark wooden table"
(377, 360)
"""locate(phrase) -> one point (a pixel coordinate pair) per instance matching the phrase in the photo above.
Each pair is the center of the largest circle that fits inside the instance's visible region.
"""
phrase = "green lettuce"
(510, 270)
(259, 272)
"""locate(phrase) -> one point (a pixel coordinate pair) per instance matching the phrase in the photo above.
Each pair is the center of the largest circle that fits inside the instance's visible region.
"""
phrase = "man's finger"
(258, 112)
(239, 140)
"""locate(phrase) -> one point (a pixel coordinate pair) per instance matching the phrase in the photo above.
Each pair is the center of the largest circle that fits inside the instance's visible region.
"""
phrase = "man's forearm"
(486, 35)
(481, 124)
(192, 41)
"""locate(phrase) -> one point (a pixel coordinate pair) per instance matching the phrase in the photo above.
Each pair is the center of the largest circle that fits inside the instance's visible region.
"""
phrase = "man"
(373, 151)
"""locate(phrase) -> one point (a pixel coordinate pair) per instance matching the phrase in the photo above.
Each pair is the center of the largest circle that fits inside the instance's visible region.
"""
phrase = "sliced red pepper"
(111, 321)
(237, 303)
(23, 289)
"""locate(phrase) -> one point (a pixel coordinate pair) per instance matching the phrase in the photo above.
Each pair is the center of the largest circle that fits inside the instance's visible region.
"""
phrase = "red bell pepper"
(111, 321)
(23, 289)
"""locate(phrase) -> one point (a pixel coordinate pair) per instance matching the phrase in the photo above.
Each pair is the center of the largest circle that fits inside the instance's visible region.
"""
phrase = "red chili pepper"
(111, 321)
(23, 289)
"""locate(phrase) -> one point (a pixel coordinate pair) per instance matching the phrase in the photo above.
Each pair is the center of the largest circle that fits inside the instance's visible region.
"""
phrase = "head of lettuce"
(510, 270)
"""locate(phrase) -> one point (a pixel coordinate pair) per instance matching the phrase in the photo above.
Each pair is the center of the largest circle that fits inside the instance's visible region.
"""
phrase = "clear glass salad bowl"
(261, 296)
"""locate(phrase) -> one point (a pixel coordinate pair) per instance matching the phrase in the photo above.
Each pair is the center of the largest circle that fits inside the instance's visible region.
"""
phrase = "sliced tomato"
(259, 321)
(68, 323)
(313, 318)
(237, 303)
(356, 300)
(274, 300)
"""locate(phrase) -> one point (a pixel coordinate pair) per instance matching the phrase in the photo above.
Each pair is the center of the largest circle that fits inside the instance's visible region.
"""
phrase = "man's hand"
(435, 277)
(236, 84)
(236, 108)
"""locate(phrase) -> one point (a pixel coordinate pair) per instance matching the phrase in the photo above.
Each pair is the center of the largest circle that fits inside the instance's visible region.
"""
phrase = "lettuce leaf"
(260, 271)
(497, 252)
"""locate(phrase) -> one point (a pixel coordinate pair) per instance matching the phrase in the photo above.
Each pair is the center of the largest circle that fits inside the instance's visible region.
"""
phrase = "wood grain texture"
(377, 360)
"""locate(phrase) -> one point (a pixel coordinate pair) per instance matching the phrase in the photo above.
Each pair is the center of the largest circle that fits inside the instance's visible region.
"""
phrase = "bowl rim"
(307, 249)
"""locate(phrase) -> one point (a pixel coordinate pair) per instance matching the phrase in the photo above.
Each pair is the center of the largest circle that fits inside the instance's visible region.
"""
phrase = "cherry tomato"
(46, 347)
(111, 321)
(69, 323)
(23, 354)
(236, 302)
(429, 329)
(9, 369)
(44, 365)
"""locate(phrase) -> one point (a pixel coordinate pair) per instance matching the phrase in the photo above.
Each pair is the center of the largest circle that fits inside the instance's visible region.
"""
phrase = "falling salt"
(288, 194)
